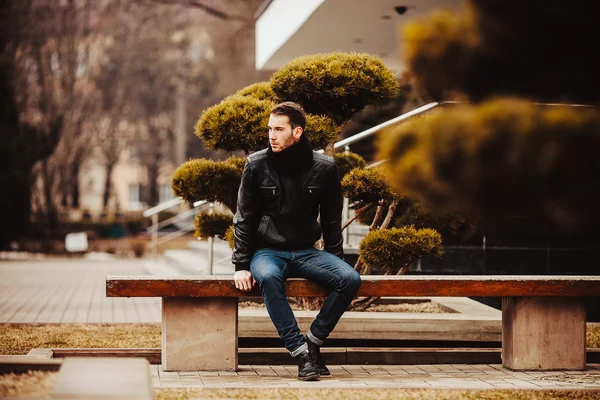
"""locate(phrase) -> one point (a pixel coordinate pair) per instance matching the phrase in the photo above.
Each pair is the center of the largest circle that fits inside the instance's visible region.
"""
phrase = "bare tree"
(44, 48)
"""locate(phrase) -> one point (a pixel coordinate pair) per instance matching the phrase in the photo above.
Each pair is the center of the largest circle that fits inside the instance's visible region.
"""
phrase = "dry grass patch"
(423, 307)
(371, 394)
(20, 339)
(39, 384)
(593, 335)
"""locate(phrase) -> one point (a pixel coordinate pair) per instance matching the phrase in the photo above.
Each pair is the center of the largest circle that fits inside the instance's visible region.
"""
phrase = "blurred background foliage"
(87, 83)
(503, 155)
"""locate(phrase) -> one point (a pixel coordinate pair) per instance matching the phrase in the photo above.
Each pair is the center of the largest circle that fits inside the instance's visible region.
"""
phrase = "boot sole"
(310, 377)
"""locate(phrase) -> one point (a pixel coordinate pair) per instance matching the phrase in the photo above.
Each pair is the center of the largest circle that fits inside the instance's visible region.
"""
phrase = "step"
(103, 378)
(160, 267)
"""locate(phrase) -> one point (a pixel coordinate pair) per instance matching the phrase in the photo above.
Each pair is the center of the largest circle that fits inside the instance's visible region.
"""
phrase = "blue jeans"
(271, 268)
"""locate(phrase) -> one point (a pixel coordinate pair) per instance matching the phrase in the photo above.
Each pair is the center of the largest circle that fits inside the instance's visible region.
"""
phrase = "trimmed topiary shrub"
(259, 91)
(504, 157)
(208, 180)
(237, 163)
(502, 48)
(213, 224)
(240, 123)
(346, 162)
(229, 236)
(320, 131)
(236, 123)
(391, 251)
(370, 187)
(366, 186)
(335, 84)
(453, 43)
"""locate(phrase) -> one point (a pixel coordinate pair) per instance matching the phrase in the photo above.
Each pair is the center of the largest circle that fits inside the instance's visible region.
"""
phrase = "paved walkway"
(73, 291)
(383, 376)
(70, 291)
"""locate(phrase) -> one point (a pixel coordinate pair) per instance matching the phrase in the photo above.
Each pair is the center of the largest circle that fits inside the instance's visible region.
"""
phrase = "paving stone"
(161, 372)
(247, 373)
(208, 373)
(188, 373)
(228, 373)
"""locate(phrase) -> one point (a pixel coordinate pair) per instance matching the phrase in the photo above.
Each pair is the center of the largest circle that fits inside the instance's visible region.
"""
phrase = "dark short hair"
(293, 111)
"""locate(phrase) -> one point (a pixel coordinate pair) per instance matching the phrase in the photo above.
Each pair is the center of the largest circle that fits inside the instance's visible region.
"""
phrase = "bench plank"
(430, 285)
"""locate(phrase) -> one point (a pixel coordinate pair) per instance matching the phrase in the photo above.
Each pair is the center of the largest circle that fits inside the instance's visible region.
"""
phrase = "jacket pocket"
(268, 191)
(313, 195)
(314, 190)
(262, 229)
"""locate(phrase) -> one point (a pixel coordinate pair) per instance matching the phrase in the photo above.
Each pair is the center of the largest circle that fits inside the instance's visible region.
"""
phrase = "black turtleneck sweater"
(292, 161)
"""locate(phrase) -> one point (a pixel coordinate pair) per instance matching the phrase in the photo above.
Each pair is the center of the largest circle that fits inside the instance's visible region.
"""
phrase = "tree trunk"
(75, 184)
(51, 212)
(16, 185)
(377, 217)
(107, 186)
(153, 196)
(75, 192)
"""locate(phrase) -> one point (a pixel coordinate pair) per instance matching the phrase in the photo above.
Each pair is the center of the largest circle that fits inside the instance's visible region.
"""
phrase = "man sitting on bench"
(283, 189)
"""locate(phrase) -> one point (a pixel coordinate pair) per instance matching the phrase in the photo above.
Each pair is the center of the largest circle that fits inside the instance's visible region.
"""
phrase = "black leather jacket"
(279, 211)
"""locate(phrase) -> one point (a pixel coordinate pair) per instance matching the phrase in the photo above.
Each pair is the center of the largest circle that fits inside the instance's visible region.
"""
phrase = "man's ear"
(297, 132)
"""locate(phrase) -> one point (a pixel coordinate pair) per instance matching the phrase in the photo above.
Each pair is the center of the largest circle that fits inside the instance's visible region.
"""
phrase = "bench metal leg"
(199, 334)
(543, 333)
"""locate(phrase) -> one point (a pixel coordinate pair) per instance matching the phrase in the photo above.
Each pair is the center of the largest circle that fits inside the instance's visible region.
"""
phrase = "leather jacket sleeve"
(331, 214)
(245, 221)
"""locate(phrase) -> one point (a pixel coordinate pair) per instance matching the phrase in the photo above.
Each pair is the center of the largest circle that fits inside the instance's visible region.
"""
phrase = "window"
(134, 195)
(165, 193)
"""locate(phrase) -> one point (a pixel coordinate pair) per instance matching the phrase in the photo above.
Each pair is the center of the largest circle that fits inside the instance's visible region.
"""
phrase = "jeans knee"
(268, 279)
(352, 282)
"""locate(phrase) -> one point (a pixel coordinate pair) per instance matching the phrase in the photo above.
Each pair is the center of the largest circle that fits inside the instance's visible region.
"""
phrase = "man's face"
(281, 134)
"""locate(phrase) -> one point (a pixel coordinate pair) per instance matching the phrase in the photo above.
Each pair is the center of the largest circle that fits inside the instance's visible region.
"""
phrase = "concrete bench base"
(538, 333)
(199, 333)
(543, 333)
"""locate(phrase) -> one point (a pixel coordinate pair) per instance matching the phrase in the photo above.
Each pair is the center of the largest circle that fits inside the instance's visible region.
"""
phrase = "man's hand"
(244, 280)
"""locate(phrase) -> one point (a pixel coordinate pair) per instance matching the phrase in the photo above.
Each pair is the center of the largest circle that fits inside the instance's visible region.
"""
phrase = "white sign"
(76, 241)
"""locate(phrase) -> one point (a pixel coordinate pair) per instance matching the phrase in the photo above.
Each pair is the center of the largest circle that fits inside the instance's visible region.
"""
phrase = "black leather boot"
(317, 358)
(307, 370)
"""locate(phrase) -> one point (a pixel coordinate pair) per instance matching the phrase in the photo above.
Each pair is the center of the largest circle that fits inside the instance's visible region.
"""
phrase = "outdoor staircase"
(193, 260)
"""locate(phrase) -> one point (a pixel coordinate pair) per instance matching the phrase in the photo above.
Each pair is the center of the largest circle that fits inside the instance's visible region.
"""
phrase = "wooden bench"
(543, 317)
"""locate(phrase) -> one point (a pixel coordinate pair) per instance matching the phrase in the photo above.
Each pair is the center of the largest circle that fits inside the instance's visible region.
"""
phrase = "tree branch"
(377, 216)
(357, 213)
(390, 214)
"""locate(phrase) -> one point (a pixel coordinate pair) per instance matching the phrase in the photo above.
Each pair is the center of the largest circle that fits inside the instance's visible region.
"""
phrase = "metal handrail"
(179, 216)
(153, 212)
(371, 131)
(163, 206)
